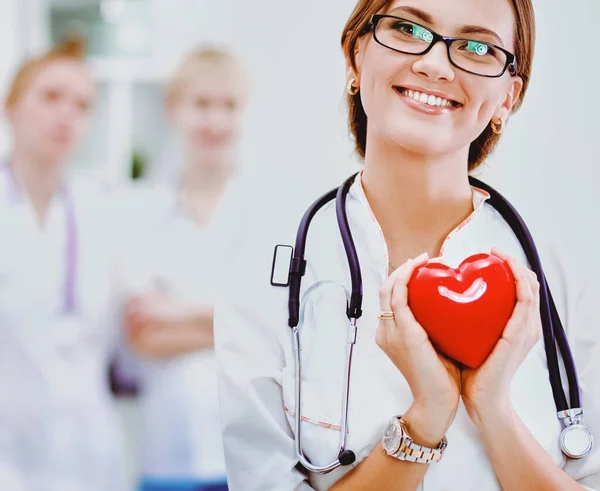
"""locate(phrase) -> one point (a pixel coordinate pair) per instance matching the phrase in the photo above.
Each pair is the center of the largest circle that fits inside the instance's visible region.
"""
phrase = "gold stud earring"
(497, 128)
(351, 88)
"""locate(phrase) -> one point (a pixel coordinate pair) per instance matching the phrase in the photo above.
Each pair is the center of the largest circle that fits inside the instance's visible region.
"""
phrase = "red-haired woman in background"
(57, 424)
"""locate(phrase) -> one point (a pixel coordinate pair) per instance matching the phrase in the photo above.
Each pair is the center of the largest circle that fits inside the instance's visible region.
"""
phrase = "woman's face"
(209, 111)
(385, 78)
(49, 117)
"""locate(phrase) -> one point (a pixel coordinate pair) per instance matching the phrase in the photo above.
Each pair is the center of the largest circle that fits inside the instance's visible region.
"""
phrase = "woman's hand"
(490, 383)
(434, 379)
(159, 326)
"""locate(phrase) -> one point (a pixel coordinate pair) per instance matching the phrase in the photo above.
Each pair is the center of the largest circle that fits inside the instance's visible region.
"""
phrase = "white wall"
(11, 43)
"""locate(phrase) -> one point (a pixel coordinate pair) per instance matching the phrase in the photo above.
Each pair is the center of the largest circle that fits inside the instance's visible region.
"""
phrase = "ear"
(358, 54)
(511, 97)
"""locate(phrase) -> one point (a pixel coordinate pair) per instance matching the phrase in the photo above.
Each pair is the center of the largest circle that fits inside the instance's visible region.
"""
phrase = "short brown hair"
(357, 26)
(72, 48)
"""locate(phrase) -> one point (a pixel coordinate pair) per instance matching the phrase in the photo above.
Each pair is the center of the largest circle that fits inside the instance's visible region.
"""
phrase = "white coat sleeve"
(580, 312)
(259, 445)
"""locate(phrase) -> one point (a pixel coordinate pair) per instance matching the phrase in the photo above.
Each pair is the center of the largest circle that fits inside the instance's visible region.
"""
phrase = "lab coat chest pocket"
(321, 413)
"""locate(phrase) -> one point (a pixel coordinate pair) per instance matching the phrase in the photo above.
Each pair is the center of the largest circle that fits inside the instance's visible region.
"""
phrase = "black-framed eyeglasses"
(472, 56)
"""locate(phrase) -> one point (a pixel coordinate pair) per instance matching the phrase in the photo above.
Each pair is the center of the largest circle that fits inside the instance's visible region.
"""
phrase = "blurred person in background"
(58, 428)
(169, 320)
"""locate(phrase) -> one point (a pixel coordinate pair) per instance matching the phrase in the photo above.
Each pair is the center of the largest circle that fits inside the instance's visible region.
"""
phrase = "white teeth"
(423, 98)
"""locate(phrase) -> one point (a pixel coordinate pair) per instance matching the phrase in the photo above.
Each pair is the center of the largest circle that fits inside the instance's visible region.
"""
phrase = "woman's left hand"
(160, 326)
(489, 384)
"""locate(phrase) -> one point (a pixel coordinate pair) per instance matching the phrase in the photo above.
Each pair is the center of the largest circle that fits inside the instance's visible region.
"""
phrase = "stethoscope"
(69, 289)
(576, 440)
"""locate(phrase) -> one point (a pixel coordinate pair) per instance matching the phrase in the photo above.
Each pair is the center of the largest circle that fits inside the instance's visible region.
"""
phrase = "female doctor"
(169, 318)
(58, 430)
(422, 119)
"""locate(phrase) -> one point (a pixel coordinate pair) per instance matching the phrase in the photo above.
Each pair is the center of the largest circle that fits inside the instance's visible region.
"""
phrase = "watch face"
(392, 437)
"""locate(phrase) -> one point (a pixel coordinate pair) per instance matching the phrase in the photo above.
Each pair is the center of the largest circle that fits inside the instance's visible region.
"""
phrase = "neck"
(37, 178)
(418, 196)
(201, 186)
(199, 176)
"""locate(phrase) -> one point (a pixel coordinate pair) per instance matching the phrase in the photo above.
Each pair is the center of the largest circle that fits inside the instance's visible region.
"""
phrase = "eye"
(202, 102)
(231, 104)
(478, 48)
(51, 95)
(412, 30)
(83, 105)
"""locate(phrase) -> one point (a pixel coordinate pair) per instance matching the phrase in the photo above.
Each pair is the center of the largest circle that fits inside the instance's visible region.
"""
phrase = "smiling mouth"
(428, 99)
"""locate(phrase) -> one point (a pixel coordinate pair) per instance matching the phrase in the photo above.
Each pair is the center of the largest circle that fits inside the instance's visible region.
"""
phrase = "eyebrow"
(428, 19)
(482, 30)
(424, 16)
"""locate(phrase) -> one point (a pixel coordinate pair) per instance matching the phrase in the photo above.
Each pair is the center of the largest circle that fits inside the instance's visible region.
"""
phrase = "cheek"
(31, 124)
(80, 123)
(189, 122)
(233, 124)
(483, 99)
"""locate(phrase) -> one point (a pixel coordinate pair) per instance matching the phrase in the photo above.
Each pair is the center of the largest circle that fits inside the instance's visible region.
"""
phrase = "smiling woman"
(524, 39)
(430, 86)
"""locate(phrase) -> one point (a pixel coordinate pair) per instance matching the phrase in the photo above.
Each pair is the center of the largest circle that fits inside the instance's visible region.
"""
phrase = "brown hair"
(72, 48)
(356, 27)
(196, 62)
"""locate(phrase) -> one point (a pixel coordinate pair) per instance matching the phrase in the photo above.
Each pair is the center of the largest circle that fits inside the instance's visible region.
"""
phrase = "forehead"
(449, 16)
(215, 81)
(64, 75)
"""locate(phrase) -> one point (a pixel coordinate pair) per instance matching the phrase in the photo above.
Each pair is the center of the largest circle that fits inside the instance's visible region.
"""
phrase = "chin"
(423, 143)
(58, 152)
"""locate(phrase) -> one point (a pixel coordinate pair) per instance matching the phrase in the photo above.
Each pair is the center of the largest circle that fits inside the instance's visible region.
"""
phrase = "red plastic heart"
(464, 310)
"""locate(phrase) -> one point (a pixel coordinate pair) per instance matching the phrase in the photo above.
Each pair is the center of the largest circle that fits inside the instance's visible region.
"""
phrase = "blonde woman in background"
(57, 422)
(169, 318)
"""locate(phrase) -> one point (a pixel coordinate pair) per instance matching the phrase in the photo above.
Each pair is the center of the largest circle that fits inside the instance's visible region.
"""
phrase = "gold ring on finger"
(386, 315)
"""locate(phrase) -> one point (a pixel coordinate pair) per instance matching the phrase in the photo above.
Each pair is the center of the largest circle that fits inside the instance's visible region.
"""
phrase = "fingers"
(396, 284)
(393, 297)
(525, 321)
(527, 284)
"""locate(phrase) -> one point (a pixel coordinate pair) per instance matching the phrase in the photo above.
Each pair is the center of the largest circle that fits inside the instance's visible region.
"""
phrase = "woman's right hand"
(433, 379)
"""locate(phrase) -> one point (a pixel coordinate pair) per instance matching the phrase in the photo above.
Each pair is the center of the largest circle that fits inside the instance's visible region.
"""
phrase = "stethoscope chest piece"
(576, 441)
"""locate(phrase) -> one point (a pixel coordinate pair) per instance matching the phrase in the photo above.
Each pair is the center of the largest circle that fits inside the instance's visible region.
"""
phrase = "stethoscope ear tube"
(550, 320)
(355, 305)
(298, 265)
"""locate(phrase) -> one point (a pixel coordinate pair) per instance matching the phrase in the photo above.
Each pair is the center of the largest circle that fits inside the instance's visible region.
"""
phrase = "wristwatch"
(397, 443)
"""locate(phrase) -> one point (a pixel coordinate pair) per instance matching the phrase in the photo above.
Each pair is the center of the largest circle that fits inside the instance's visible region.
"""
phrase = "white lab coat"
(58, 428)
(256, 362)
(181, 433)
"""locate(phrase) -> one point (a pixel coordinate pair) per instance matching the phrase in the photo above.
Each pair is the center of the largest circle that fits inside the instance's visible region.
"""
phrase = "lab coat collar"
(374, 238)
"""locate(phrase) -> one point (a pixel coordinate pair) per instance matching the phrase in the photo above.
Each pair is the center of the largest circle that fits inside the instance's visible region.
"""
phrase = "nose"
(68, 109)
(218, 120)
(435, 65)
